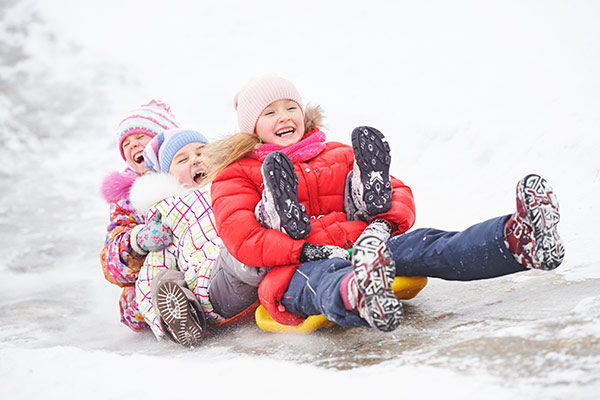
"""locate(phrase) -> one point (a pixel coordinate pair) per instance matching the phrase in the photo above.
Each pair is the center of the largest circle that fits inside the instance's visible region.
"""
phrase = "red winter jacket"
(237, 190)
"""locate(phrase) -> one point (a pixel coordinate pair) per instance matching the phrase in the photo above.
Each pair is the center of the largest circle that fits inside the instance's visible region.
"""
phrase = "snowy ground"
(472, 96)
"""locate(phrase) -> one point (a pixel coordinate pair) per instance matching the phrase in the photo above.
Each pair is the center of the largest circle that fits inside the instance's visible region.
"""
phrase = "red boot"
(530, 233)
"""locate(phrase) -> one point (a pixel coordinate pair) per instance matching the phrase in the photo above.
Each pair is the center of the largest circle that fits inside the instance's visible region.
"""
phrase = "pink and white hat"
(151, 119)
(257, 94)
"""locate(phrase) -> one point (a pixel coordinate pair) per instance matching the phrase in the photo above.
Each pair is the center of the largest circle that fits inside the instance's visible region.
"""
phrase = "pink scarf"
(311, 146)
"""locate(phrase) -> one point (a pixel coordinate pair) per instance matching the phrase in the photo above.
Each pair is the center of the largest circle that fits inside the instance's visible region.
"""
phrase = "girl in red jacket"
(283, 196)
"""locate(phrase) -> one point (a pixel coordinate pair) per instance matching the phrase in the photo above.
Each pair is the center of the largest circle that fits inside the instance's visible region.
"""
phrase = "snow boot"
(370, 181)
(369, 290)
(352, 210)
(530, 233)
(279, 207)
(184, 324)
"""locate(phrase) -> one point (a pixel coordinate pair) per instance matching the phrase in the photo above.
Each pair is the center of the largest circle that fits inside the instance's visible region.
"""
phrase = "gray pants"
(233, 286)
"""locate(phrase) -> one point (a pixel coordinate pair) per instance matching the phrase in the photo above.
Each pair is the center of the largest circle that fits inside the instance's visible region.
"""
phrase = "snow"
(179, 371)
(472, 96)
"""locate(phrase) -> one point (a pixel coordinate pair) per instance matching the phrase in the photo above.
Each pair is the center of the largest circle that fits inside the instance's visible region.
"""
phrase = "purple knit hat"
(151, 119)
(257, 94)
(159, 152)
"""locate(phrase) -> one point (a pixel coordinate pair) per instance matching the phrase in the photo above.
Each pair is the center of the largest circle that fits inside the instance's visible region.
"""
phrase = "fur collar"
(116, 185)
(151, 188)
(313, 117)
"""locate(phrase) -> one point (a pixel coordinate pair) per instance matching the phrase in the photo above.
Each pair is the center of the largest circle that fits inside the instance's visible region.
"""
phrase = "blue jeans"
(478, 252)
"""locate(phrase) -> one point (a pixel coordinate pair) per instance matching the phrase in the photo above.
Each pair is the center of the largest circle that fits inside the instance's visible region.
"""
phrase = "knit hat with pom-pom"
(151, 119)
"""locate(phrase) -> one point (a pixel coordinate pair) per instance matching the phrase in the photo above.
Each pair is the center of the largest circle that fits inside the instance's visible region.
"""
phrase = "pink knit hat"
(257, 94)
(151, 119)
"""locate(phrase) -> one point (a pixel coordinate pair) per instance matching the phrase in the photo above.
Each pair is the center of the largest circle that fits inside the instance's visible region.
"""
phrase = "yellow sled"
(404, 288)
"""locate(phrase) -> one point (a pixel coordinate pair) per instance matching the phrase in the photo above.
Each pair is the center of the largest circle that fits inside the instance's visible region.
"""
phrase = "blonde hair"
(219, 154)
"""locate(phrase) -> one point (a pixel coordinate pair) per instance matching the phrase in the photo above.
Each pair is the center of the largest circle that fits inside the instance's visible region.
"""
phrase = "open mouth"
(285, 131)
(199, 177)
(139, 157)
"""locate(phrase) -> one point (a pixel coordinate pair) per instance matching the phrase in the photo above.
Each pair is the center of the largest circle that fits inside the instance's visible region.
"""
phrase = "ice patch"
(519, 278)
(579, 272)
(589, 308)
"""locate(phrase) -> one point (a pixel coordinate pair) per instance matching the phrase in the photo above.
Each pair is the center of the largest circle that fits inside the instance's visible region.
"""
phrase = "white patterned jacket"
(188, 213)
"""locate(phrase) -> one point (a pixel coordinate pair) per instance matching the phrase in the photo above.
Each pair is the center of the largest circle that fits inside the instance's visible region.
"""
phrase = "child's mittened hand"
(154, 236)
(312, 252)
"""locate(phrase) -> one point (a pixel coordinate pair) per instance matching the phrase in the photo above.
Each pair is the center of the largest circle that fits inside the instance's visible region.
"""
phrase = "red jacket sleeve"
(402, 211)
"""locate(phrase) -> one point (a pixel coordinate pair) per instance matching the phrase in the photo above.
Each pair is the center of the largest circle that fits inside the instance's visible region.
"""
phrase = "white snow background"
(472, 95)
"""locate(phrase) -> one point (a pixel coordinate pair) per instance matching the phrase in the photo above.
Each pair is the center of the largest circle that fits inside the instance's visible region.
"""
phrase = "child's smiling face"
(281, 123)
(133, 149)
(186, 165)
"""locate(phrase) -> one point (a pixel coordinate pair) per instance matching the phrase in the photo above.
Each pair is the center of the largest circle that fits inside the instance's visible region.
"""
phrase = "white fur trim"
(154, 187)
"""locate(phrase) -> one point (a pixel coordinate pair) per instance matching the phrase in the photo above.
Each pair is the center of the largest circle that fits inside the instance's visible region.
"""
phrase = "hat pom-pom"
(158, 104)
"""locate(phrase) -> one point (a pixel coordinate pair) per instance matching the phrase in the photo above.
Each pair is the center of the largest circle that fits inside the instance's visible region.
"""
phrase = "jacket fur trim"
(313, 117)
(116, 185)
(151, 188)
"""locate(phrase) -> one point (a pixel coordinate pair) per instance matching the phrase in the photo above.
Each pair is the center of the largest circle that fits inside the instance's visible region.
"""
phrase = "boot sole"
(537, 201)
(372, 155)
(282, 182)
(176, 312)
(374, 271)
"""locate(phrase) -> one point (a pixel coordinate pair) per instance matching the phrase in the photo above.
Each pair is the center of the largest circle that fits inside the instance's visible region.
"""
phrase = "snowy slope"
(472, 96)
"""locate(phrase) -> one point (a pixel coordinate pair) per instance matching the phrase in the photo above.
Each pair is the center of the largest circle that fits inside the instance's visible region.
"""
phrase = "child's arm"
(402, 212)
(119, 261)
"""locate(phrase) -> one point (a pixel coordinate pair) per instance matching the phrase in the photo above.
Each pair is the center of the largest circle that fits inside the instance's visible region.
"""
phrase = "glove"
(312, 252)
(151, 236)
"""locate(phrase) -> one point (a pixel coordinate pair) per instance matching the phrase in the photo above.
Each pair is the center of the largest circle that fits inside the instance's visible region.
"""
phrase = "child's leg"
(233, 286)
(177, 308)
(368, 187)
(130, 313)
(315, 289)
(478, 252)
(499, 246)
(279, 207)
(351, 295)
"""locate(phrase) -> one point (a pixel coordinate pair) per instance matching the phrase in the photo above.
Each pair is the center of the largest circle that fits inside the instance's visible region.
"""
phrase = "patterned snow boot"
(183, 323)
(370, 179)
(530, 233)
(369, 289)
(279, 208)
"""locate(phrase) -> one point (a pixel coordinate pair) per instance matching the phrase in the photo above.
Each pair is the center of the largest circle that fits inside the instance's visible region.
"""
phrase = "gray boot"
(178, 309)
